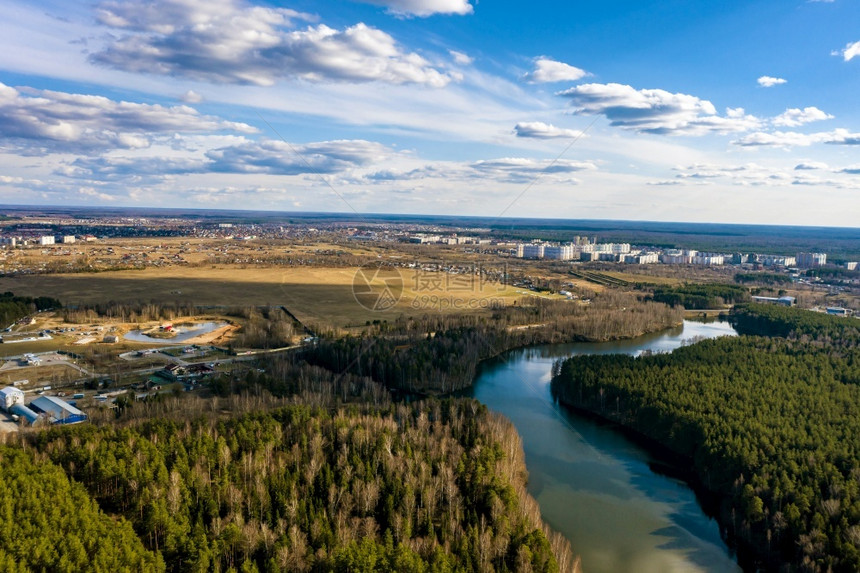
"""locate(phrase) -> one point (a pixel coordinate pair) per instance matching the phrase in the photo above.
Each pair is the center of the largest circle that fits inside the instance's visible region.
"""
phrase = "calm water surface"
(183, 333)
(593, 484)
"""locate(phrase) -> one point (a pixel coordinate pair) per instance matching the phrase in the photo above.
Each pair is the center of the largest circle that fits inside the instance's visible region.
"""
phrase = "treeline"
(701, 296)
(321, 258)
(440, 354)
(772, 426)
(267, 327)
(129, 311)
(14, 307)
(288, 375)
(50, 523)
(796, 323)
(774, 279)
(430, 486)
(834, 273)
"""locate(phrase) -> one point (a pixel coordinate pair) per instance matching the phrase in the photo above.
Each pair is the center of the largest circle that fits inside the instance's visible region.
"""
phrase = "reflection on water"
(183, 333)
(593, 484)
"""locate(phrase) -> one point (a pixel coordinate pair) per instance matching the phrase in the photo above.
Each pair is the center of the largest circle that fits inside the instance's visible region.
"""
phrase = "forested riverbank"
(620, 502)
(771, 425)
(439, 354)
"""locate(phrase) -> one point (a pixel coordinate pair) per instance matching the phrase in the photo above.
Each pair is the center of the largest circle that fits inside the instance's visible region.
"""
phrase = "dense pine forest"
(50, 523)
(771, 425)
(701, 296)
(787, 322)
(429, 486)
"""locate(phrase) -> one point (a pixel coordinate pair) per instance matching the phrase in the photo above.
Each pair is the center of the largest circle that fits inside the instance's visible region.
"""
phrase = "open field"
(316, 295)
(170, 252)
(39, 375)
(33, 347)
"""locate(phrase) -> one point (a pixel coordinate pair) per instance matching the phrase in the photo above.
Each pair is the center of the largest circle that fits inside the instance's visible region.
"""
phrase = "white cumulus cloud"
(795, 116)
(424, 8)
(541, 130)
(851, 51)
(769, 81)
(656, 111)
(226, 41)
(550, 71)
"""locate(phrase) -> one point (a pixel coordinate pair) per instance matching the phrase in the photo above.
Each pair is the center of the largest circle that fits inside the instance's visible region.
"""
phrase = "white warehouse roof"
(55, 407)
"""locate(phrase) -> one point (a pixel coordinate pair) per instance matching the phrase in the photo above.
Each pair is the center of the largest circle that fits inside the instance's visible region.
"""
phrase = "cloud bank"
(224, 41)
(656, 111)
(40, 121)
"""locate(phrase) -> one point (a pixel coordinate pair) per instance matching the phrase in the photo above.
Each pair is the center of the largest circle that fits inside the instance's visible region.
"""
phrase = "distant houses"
(175, 372)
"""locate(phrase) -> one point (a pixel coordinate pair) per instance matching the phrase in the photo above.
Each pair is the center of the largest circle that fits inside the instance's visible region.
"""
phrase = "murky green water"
(593, 484)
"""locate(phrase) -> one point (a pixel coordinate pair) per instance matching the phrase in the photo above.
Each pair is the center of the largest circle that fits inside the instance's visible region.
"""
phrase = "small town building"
(783, 300)
(9, 396)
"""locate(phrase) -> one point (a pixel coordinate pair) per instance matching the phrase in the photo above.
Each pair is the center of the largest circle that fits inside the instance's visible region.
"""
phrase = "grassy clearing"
(33, 347)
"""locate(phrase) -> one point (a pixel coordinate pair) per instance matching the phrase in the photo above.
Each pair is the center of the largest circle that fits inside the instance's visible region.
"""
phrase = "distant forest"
(839, 243)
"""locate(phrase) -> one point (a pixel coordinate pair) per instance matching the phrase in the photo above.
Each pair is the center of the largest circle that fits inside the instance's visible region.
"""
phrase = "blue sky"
(676, 111)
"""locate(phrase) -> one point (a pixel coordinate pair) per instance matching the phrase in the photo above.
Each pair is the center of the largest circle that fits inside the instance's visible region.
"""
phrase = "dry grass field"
(317, 296)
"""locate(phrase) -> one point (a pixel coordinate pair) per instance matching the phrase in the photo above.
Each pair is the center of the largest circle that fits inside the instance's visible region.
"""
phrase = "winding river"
(593, 484)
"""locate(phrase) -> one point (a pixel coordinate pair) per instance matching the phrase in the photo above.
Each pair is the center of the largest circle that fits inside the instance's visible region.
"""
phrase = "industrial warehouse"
(49, 409)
